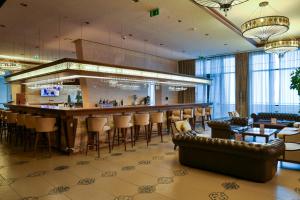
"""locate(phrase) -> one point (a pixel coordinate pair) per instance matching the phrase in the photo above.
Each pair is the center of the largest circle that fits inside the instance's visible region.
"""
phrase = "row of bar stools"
(95, 127)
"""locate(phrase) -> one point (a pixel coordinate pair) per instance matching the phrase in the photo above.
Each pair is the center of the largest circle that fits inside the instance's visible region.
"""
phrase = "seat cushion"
(186, 126)
(178, 126)
(292, 146)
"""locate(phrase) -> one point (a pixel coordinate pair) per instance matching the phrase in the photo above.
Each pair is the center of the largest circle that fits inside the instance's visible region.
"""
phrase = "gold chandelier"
(224, 5)
(265, 27)
(282, 46)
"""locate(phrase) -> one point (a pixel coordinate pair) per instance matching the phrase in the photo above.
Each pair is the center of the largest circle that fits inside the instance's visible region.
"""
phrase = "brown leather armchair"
(221, 129)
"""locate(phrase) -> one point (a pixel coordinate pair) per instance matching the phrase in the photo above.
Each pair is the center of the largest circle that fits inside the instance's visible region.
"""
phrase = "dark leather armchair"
(221, 129)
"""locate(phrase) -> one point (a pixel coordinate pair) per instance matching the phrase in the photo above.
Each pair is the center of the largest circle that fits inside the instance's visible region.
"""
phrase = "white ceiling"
(37, 25)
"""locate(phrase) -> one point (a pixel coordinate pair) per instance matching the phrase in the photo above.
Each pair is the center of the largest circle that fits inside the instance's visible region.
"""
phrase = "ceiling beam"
(218, 16)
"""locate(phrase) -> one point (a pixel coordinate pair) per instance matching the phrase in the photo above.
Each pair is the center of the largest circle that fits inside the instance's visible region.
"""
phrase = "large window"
(269, 85)
(4, 92)
(222, 90)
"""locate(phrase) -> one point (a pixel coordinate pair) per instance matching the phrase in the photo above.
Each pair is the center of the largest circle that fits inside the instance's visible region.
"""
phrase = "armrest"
(293, 138)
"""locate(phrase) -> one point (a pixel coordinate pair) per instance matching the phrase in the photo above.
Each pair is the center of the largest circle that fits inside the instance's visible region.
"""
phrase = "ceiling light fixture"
(282, 46)
(224, 5)
(264, 27)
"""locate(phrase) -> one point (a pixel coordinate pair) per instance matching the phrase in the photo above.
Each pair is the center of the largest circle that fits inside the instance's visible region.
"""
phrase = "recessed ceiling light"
(130, 34)
(87, 23)
(23, 4)
(2, 26)
(193, 28)
(145, 40)
(179, 21)
(206, 34)
(135, 1)
(225, 44)
(161, 44)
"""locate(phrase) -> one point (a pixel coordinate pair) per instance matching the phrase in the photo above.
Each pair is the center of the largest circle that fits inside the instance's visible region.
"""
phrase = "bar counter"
(71, 122)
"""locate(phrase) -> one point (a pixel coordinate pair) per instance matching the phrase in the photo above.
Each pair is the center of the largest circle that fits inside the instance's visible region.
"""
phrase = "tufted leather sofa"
(255, 162)
(283, 119)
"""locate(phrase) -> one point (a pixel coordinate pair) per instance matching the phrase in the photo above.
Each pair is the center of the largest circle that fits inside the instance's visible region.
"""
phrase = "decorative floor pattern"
(142, 173)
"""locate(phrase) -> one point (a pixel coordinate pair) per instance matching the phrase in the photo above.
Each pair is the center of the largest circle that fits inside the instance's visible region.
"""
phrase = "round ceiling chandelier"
(265, 27)
(224, 5)
(282, 46)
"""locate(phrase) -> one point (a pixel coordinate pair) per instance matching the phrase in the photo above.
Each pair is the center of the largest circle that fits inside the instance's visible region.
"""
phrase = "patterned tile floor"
(152, 173)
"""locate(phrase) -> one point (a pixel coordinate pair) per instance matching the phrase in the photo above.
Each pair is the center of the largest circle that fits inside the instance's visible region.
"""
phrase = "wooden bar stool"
(200, 113)
(95, 127)
(176, 115)
(11, 125)
(29, 132)
(156, 118)
(20, 127)
(208, 112)
(122, 123)
(142, 120)
(188, 114)
(4, 125)
(44, 125)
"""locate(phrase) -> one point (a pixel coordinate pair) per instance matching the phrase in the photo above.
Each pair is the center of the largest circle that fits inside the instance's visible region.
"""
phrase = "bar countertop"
(67, 111)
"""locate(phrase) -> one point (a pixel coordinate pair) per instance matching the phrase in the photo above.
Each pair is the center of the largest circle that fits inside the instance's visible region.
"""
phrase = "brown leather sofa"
(255, 162)
(283, 119)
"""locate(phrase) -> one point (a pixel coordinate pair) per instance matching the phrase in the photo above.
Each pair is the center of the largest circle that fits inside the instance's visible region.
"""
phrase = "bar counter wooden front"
(71, 121)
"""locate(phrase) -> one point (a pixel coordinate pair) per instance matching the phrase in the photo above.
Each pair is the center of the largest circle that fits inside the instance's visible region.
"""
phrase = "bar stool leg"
(36, 142)
(109, 146)
(113, 139)
(132, 137)
(119, 136)
(125, 137)
(98, 144)
(146, 134)
(160, 131)
(49, 142)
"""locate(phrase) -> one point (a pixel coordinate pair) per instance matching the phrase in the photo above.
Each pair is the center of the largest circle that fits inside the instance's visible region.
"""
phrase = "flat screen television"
(50, 92)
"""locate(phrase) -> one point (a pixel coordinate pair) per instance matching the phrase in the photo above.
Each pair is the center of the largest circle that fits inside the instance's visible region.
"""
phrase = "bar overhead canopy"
(68, 68)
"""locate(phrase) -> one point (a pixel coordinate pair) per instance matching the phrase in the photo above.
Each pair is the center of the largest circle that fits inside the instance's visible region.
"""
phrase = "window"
(222, 90)
(269, 86)
(4, 92)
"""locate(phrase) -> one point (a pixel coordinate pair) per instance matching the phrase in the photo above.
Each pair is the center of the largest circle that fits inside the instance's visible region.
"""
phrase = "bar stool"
(208, 112)
(156, 118)
(11, 125)
(20, 126)
(188, 114)
(4, 131)
(29, 133)
(44, 125)
(200, 113)
(142, 120)
(122, 123)
(95, 127)
(176, 115)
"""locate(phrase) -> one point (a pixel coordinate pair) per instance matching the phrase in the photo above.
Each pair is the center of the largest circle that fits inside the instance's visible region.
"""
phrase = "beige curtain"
(241, 82)
(187, 67)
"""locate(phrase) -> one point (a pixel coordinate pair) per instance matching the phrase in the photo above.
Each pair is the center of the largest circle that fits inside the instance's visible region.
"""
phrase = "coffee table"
(255, 132)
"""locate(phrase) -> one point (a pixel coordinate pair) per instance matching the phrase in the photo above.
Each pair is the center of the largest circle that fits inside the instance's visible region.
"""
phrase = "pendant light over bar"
(99, 69)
